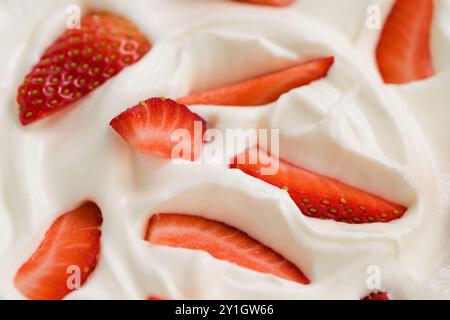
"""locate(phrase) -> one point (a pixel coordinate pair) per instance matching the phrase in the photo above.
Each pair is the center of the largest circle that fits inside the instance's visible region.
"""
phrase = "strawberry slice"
(72, 241)
(153, 297)
(318, 196)
(403, 52)
(274, 3)
(264, 89)
(78, 62)
(222, 242)
(153, 126)
(379, 295)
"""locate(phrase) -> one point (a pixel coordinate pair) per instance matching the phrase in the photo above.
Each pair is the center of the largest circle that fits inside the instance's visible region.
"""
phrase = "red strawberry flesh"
(318, 196)
(379, 295)
(221, 241)
(78, 62)
(151, 126)
(72, 240)
(403, 53)
(264, 89)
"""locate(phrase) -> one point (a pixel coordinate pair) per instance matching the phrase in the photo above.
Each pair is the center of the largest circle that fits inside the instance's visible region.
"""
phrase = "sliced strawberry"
(153, 126)
(274, 3)
(78, 62)
(379, 295)
(264, 89)
(403, 52)
(318, 196)
(221, 241)
(73, 240)
(153, 297)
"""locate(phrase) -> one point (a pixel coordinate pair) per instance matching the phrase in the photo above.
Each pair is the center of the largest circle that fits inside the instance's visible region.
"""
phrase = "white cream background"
(388, 139)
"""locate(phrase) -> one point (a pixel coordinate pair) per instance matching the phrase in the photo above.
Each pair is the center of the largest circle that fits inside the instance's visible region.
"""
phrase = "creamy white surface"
(386, 139)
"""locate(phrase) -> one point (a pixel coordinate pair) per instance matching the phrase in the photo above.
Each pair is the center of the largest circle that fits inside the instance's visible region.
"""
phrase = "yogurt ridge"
(387, 139)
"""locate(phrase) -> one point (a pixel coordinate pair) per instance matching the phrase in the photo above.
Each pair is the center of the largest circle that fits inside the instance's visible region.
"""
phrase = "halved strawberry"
(162, 127)
(221, 241)
(403, 52)
(72, 241)
(379, 295)
(274, 3)
(318, 196)
(78, 62)
(264, 89)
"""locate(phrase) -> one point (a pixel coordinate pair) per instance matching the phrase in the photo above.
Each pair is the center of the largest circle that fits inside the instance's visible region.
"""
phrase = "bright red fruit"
(152, 297)
(152, 127)
(264, 89)
(72, 240)
(379, 295)
(78, 62)
(222, 242)
(403, 52)
(318, 196)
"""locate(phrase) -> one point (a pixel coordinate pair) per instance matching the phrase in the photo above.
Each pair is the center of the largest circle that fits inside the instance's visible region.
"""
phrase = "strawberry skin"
(78, 62)
(274, 3)
(149, 127)
(264, 89)
(318, 196)
(221, 241)
(379, 295)
(72, 240)
(403, 53)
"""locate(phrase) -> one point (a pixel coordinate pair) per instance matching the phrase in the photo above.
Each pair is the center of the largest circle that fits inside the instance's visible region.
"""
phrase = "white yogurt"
(387, 139)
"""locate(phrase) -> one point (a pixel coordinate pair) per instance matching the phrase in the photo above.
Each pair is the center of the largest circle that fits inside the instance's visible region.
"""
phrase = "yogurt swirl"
(391, 140)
